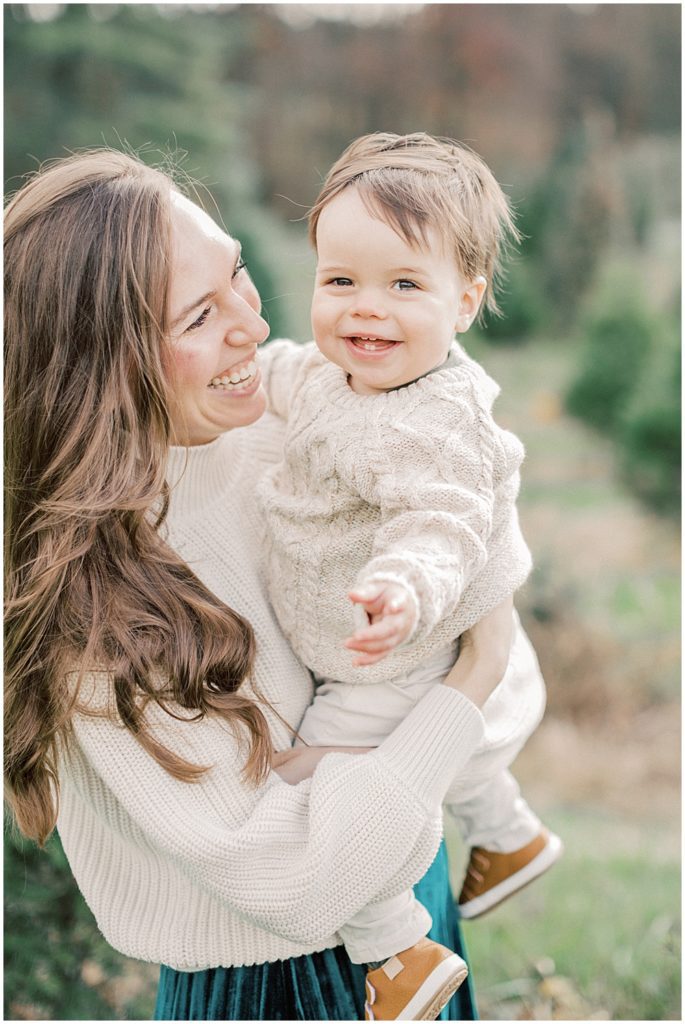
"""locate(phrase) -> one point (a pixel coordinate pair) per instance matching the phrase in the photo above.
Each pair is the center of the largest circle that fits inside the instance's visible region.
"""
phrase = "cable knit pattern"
(417, 486)
(221, 873)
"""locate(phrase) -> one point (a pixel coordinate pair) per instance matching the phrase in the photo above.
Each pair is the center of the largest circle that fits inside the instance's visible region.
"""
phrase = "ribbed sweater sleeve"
(298, 861)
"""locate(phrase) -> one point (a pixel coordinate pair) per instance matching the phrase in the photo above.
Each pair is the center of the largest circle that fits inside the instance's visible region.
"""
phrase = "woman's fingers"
(281, 757)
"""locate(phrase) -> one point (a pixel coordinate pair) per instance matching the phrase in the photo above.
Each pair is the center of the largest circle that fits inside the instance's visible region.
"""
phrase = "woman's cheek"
(189, 367)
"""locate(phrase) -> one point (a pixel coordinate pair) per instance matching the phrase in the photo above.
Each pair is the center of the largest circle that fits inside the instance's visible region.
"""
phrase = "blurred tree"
(129, 76)
(567, 219)
(49, 935)
(649, 434)
(628, 387)
(618, 333)
(522, 304)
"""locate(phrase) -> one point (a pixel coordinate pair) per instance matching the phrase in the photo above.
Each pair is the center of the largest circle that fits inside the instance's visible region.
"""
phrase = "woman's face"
(215, 329)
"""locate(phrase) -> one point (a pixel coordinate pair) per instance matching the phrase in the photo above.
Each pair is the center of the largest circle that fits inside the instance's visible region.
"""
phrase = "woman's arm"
(299, 763)
(483, 659)
(296, 860)
(483, 654)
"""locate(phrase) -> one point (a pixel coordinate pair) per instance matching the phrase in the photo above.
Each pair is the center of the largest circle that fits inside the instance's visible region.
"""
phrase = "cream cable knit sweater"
(218, 872)
(416, 486)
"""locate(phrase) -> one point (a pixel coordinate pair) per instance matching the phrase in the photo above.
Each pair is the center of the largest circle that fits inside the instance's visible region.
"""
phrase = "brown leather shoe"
(414, 984)
(493, 877)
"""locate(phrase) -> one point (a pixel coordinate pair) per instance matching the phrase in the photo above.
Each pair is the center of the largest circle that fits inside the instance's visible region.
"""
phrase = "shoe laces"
(474, 878)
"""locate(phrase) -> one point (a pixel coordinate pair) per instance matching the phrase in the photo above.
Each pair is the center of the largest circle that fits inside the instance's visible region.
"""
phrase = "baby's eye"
(404, 285)
(200, 320)
(340, 282)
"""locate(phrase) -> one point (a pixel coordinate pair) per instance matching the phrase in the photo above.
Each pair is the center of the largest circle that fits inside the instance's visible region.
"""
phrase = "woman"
(142, 711)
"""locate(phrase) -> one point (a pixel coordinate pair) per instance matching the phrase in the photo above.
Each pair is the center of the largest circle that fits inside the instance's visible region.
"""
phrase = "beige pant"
(484, 798)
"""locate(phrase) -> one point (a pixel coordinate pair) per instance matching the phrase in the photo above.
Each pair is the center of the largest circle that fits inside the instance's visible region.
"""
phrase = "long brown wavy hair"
(89, 581)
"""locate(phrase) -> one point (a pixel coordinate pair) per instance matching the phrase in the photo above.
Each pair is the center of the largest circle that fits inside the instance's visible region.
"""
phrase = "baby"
(392, 522)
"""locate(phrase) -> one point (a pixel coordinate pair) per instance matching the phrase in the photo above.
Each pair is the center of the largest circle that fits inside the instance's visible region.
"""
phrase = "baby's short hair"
(415, 182)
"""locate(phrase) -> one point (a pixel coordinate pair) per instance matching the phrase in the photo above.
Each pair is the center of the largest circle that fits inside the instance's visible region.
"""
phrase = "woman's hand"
(483, 654)
(298, 763)
(391, 613)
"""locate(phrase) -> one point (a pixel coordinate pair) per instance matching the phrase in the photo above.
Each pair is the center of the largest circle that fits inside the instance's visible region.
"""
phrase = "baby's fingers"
(382, 636)
(367, 659)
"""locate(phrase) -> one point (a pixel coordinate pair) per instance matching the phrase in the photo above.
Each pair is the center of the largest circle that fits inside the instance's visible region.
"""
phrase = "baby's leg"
(493, 814)
(385, 927)
(509, 846)
(409, 977)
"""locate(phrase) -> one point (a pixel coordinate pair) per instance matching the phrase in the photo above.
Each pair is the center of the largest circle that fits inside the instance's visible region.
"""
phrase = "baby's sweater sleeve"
(300, 860)
(280, 362)
(431, 474)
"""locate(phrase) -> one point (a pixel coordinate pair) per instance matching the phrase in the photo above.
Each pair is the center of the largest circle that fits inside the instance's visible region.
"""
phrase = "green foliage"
(628, 386)
(566, 222)
(49, 934)
(521, 304)
(649, 435)
(134, 79)
(618, 334)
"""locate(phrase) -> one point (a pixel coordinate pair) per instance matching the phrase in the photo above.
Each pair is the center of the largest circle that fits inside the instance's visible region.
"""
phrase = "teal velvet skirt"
(317, 987)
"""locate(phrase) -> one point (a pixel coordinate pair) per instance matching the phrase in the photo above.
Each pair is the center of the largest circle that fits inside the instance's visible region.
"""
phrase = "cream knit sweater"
(416, 486)
(219, 872)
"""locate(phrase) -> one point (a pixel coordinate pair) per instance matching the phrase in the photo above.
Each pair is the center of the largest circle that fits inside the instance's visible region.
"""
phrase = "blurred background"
(576, 107)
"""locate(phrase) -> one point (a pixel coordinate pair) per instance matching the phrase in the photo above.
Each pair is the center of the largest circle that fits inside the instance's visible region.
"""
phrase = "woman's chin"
(222, 413)
(242, 410)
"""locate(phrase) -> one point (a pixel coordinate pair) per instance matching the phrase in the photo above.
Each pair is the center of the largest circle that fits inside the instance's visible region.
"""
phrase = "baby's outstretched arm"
(391, 612)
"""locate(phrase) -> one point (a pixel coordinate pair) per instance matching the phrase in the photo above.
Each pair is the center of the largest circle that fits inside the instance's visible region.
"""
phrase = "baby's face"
(384, 310)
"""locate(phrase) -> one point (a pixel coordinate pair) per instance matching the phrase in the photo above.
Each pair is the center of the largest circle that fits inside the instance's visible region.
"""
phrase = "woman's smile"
(242, 378)
(214, 367)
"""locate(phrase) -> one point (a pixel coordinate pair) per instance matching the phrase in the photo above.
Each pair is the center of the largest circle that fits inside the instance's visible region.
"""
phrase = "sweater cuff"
(433, 743)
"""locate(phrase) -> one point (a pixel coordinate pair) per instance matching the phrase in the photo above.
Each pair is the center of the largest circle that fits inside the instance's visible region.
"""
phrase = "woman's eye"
(240, 265)
(200, 320)
(404, 285)
(341, 282)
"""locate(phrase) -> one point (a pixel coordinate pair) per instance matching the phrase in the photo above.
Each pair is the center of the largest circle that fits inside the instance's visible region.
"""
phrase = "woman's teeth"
(237, 378)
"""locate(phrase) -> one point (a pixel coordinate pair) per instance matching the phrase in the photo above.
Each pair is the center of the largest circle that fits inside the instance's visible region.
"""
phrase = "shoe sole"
(491, 899)
(428, 1001)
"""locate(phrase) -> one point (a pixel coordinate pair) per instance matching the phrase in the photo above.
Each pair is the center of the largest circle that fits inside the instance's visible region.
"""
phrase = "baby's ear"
(469, 303)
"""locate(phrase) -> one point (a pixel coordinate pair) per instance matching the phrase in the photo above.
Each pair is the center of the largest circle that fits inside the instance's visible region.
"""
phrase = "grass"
(596, 937)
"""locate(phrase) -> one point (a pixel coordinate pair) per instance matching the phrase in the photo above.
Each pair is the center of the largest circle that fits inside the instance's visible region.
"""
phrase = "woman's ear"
(469, 303)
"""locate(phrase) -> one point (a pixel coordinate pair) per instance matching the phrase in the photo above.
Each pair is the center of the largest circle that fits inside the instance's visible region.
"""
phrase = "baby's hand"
(392, 613)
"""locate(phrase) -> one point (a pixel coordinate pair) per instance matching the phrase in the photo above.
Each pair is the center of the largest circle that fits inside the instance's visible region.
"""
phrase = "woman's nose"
(246, 327)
